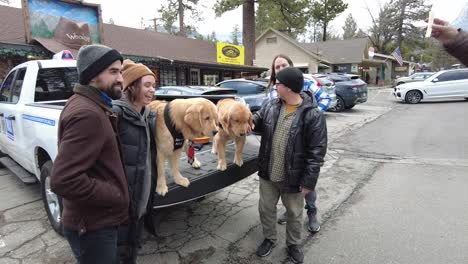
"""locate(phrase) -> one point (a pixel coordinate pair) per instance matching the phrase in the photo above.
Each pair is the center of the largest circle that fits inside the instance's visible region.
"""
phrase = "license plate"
(364, 94)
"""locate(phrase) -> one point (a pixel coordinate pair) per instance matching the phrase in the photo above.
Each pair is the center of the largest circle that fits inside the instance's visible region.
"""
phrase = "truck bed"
(208, 179)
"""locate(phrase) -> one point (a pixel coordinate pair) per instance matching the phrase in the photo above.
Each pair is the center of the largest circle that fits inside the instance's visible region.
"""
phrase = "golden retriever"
(193, 118)
(235, 119)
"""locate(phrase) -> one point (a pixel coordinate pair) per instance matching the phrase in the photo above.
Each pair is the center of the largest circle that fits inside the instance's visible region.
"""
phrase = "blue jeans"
(94, 247)
(310, 202)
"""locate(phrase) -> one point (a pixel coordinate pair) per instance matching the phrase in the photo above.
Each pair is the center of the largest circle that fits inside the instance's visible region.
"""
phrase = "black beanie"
(93, 59)
(292, 78)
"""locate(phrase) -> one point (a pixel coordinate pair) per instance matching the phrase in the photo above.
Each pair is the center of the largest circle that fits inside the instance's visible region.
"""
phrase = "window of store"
(168, 76)
(181, 73)
(194, 76)
(210, 79)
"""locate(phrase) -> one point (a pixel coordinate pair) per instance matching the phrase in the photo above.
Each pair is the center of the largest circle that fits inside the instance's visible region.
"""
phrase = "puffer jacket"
(459, 47)
(138, 149)
(307, 143)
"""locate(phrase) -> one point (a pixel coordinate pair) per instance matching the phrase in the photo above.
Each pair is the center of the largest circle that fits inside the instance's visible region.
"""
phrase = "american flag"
(397, 55)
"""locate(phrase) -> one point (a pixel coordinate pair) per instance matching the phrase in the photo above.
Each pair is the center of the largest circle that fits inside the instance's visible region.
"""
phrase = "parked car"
(416, 77)
(350, 90)
(253, 92)
(192, 90)
(441, 85)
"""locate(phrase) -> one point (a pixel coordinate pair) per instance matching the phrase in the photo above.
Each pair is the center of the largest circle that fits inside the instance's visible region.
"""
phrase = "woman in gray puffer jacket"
(135, 126)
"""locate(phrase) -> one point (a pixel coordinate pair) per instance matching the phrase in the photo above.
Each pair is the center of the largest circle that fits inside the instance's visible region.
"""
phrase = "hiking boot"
(265, 248)
(313, 225)
(282, 218)
(295, 254)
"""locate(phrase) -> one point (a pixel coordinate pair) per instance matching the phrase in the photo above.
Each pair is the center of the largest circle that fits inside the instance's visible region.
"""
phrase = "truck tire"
(52, 202)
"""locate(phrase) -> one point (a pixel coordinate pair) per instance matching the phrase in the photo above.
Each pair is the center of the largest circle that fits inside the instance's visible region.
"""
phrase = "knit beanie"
(292, 78)
(93, 59)
(133, 71)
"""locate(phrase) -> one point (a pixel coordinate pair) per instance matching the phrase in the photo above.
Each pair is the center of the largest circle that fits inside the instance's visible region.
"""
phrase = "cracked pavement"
(222, 228)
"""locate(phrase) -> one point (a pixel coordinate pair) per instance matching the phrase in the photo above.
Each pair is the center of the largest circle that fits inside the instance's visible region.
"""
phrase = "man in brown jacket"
(88, 172)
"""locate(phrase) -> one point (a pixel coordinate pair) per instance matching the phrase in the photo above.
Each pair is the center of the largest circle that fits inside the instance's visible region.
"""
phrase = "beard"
(115, 91)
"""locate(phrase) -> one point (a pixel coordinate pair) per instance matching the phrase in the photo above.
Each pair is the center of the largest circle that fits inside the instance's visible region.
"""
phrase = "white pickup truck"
(31, 99)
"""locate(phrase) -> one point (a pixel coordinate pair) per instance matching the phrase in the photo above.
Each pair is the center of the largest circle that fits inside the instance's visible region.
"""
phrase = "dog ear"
(225, 120)
(193, 118)
(250, 119)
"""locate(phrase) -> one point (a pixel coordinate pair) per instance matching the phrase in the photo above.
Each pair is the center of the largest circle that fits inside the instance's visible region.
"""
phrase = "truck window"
(5, 92)
(55, 84)
(18, 84)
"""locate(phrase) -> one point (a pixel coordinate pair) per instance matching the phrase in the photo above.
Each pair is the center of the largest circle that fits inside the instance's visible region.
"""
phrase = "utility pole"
(155, 23)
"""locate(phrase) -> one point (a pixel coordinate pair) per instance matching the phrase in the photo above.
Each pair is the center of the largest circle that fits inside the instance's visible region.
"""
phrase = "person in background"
(292, 149)
(455, 41)
(323, 100)
(282, 61)
(135, 128)
(88, 172)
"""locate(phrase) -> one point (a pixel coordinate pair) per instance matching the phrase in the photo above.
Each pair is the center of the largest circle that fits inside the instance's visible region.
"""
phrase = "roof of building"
(129, 41)
(340, 51)
(312, 53)
(331, 51)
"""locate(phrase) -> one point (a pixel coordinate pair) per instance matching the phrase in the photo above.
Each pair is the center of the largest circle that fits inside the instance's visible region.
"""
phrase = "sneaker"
(282, 219)
(313, 225)
(295, 254)
(265, 248)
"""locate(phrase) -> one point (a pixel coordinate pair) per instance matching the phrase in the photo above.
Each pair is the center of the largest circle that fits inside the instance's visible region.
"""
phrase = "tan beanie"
(132, 71)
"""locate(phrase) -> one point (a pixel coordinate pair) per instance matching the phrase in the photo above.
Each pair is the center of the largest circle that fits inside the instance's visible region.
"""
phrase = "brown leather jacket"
(459, 47)
(88, 172)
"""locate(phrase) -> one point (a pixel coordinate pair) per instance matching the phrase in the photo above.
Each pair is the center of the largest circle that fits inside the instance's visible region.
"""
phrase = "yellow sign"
(229, 53)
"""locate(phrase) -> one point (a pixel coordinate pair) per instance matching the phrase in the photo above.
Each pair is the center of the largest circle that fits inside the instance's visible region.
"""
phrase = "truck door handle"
(11, 117)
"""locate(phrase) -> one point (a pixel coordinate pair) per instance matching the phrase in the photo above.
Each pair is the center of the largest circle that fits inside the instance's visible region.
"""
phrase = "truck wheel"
(52, 202)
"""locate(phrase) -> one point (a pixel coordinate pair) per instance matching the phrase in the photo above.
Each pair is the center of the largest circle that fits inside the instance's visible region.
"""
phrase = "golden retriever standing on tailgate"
(177, 121)
(234, 120)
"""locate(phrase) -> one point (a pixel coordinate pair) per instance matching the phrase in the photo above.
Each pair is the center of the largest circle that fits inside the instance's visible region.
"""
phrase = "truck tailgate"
(208, 179)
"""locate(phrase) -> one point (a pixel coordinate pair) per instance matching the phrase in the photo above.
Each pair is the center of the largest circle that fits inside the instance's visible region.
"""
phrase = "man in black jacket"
(293, 145)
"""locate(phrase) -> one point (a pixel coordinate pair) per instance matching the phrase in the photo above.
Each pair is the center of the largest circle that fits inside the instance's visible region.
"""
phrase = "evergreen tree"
(350, 27)
(324, 11)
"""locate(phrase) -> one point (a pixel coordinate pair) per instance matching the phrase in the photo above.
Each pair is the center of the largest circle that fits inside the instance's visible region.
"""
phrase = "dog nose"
(242, 134)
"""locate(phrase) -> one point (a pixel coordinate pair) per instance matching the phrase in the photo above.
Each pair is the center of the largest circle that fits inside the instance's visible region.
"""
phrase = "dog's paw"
(162, 189)
(238, 162)
(222, 166)
(182, 181)
(196, 164)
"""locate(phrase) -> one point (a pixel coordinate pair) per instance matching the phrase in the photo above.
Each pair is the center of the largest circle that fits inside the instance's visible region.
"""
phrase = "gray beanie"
(93, 59)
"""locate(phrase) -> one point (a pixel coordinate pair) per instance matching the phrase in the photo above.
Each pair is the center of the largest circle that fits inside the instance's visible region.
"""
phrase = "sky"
(141, 11)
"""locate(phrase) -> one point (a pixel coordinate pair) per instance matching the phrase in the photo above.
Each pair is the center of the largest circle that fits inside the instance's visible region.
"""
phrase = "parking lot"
(223, 228)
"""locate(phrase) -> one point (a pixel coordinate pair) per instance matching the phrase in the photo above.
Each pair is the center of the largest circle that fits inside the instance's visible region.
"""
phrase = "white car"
(442, 85)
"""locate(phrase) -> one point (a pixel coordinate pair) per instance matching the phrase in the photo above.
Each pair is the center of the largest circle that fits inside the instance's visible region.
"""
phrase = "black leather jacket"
(307, 143)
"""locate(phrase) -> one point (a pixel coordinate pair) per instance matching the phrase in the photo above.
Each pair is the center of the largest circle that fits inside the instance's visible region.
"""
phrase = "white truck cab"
(31, 98)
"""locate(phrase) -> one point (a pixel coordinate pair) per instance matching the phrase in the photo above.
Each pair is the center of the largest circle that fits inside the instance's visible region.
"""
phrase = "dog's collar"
(177, 136)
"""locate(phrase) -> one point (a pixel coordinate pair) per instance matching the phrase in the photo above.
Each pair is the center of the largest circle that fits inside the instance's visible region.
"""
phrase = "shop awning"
(372, 62)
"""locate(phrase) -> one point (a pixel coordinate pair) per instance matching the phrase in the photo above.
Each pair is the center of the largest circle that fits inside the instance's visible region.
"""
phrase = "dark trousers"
(310, 199)
(129, 241)
(94, 247)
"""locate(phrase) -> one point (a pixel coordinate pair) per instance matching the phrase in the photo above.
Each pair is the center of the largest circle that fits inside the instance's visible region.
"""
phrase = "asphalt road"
(413, 206)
